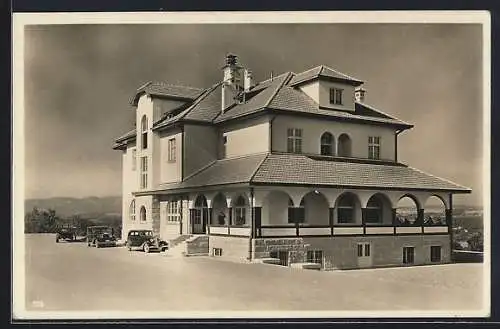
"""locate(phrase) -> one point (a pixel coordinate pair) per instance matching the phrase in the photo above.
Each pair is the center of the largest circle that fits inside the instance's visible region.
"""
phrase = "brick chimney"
(233, 81)
(359, 94)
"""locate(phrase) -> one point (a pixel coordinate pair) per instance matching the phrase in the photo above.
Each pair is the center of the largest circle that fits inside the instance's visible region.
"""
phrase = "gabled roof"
(162, 89)
(323, 71)
(293, 100)
(303, 170)
(257, 103)
(121, 142)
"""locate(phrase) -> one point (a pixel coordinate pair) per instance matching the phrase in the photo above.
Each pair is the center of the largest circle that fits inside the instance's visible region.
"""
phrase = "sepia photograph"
(251, 165)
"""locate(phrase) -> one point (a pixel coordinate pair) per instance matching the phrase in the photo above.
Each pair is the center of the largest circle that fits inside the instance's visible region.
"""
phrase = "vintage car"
(101, 236)
(66, 233)
(146, 241)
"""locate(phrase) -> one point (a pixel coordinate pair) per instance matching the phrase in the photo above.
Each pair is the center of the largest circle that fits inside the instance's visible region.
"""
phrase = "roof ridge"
(174, 85)
(273, 78)
(441, 178)
(258, 167)
(275, 92)
(341, 73)
(377, 110)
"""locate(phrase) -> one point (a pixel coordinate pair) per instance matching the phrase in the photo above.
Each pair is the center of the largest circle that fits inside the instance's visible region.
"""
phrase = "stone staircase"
(189, 245)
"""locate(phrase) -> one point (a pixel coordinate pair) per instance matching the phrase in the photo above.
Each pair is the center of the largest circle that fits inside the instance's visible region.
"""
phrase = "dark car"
(101, 236)
(66, 233)
(146, 241)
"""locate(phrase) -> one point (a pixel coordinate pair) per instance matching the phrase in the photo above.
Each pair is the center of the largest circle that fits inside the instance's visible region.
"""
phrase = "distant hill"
(88, 207)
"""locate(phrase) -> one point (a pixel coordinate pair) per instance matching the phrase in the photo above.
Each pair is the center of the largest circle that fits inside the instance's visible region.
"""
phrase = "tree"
(476, 242)
(41, 221)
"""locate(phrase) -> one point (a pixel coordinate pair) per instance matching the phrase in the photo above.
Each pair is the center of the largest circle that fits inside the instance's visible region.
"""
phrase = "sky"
(79, 80)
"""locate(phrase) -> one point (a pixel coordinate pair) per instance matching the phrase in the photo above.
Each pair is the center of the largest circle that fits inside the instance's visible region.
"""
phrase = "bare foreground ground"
(73, 277)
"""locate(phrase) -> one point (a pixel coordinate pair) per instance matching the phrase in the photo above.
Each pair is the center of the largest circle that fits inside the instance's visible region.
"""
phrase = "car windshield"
(146, 233)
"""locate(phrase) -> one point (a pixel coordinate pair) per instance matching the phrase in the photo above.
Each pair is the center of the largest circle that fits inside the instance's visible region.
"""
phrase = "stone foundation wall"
(297, 251)
(341, 252)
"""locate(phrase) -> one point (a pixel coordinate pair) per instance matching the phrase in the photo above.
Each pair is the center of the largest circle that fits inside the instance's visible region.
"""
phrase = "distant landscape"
(82, 212)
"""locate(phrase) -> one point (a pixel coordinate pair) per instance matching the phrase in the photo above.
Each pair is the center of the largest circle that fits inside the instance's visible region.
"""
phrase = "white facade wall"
(319, 91)
(169, 171)
(313, 128)
(248, 137)
(129, 184)
(145, 107)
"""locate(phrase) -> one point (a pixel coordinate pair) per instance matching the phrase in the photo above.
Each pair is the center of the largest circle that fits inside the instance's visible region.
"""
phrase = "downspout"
(396, 144)
(252, 226)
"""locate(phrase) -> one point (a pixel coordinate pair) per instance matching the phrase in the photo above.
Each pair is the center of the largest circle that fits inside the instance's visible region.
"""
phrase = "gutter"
(396, 144)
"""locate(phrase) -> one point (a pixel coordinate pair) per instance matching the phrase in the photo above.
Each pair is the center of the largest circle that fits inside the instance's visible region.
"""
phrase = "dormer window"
(336, 96)
(144, 132)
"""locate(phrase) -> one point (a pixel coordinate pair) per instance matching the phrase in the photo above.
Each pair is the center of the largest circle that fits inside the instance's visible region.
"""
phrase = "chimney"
(233, 81)
(359, 94)
(248, 80)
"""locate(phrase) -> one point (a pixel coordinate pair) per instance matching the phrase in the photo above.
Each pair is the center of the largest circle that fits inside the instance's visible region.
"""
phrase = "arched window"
(240, 210)
(132, 210)
(201, 202)
(374, 210)
(345, 208)
(144, 132)
(326, 144)
(344, 146)
(143, 214)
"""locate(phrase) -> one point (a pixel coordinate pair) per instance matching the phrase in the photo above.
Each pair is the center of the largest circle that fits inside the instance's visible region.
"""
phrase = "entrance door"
(198, 220)
(281, 255)
(364, 254)
(408, 255)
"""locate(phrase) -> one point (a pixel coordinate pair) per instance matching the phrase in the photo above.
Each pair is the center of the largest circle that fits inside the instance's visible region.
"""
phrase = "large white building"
(297, 167)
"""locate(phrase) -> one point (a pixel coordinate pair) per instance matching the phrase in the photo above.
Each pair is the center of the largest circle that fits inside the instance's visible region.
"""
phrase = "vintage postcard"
(251, 165)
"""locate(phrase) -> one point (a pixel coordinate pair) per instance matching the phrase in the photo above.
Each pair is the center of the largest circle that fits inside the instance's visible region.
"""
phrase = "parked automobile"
(101, 236)
(66, 233)
(146, 241)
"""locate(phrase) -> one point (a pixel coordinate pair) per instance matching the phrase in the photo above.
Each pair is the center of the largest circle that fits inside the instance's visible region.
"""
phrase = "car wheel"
(97, 245)
(145, 247)
(57, 240)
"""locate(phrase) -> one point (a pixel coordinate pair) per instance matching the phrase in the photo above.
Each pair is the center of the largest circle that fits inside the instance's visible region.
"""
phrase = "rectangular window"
(315, 256)
(173, 213)
(435, 254)
(294, 140)
(144, 140)
(172, 149)
(217, 252)
(336, 96)
(364, 249)
(360, 250)
(134, 159)
(144, 172)
(374, 147)
(408, 255)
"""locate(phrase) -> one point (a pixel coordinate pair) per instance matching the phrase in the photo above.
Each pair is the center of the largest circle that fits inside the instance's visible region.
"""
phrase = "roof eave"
(354, 83)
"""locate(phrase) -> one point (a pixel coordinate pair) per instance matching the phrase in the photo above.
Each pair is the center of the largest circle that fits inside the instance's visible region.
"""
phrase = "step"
(306, 266)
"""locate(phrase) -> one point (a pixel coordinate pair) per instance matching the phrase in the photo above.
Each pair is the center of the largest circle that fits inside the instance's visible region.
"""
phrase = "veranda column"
(394, 219)
(257, 222)
(209, 219)
(331, 214)
(230, 221)
(449, 223)
(420, 219)
(364, 214)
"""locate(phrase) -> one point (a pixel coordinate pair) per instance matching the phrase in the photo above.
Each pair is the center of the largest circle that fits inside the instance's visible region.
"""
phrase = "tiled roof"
(164, 90)
(291, 99)
(256, 103)
(323, 71)
(301, 169)
(226, 171)
(296, 169)
(128, 135)
(208, 108)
